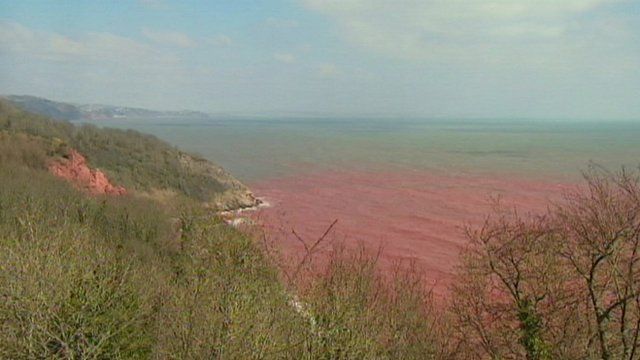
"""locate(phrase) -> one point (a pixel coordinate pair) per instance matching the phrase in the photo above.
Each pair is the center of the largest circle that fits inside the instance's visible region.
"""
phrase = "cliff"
(74, 168)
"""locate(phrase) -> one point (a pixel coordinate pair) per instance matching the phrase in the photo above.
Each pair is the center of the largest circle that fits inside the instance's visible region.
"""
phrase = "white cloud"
(466, 8)
(220, 40)
(282, 23)
(171, 38)
(495, 31)
(285, 58)
(328, 70)
(91, 47)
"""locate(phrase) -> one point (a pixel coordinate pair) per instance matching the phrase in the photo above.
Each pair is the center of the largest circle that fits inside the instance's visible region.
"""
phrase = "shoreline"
(233, 218)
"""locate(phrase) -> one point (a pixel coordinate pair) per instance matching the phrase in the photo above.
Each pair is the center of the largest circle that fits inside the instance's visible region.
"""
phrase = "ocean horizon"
(259, 149)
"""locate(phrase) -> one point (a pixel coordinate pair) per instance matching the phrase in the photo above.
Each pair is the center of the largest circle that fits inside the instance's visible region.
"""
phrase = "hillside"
(84, 277)
(66, 111)
(136, 161)
(139, 277)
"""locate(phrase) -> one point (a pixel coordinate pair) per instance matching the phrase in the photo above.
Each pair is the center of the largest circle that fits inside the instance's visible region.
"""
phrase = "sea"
(406, 187)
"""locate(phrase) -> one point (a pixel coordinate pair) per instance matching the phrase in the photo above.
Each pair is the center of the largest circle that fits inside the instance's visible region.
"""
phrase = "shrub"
(65, 293)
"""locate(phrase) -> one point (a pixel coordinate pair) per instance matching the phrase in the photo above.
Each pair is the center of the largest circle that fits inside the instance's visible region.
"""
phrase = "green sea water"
(258, 149)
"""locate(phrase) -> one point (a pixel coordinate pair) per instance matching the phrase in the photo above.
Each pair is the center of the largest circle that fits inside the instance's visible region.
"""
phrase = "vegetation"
(560, 286)
(85, 277)
(136, 161)
(127, 277)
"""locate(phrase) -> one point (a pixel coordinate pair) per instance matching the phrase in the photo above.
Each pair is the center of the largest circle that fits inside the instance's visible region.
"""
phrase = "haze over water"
(255, 150)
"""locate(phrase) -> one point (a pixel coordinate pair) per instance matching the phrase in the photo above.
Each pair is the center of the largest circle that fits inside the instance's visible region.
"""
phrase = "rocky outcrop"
(234, 196)
(73, 167)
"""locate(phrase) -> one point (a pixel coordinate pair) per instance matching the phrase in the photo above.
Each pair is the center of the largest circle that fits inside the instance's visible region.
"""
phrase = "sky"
(415, 58)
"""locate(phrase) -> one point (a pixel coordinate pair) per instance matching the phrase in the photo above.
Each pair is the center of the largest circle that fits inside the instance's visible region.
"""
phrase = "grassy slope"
(127, 277)
(109, 278)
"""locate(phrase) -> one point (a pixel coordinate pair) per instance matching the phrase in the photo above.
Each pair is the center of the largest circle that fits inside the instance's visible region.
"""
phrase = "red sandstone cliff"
(75, 169)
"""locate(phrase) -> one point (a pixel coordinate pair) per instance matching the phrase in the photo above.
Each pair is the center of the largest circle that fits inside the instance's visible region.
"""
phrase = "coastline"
(234, 217)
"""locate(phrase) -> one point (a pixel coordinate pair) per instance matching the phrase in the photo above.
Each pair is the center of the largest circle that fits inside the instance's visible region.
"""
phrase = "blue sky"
(419, 58)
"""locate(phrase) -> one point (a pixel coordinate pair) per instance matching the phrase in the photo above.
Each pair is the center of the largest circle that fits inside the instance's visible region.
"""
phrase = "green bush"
(226, 302)
(65, 293)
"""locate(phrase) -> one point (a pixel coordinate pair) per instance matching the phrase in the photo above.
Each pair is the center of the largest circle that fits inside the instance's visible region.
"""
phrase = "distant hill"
(68, 111)
(53, 109)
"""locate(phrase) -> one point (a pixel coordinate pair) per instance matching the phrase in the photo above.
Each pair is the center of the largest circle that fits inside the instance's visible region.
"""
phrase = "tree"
(601, 233)
(506, 285)
(565, 284)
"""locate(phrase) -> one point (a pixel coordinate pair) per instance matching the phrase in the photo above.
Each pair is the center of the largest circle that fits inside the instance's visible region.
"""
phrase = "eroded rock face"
(75, 169)
(235, 195)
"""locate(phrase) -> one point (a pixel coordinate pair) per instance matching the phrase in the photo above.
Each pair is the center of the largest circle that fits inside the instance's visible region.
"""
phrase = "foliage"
(134, 160)
(357, 313)
(96, 277)
(566, 281)
(66, 293)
